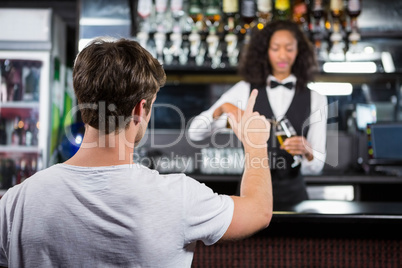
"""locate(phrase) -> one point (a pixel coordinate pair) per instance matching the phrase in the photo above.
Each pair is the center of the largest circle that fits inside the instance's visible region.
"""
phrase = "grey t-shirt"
(117, 216)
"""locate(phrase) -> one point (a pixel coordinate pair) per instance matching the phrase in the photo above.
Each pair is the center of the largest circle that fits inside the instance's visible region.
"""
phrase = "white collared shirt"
(280, 98)
(279, 108)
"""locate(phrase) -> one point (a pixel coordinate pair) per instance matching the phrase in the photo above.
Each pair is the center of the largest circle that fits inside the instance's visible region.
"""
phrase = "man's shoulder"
(41, 174)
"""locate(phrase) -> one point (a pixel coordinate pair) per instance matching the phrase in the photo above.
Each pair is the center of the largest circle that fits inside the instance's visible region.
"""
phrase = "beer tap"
(231, 48)
(160, 40)
(213, 53)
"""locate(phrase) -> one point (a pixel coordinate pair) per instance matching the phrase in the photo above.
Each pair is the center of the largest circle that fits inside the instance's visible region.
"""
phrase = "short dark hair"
(116, 75)
(254, 65)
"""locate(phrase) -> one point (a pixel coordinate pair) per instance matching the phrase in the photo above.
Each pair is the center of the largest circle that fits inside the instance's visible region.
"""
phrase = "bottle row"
(19, 80)
(15, 170)
(192, 49)
(19, 132)
(237, 15)
(211, 33)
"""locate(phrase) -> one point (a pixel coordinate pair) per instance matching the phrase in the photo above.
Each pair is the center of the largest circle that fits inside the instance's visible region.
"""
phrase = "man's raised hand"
(252, 128)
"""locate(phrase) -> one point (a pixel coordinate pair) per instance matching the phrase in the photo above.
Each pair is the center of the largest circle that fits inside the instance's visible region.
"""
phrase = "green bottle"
(282, 10)
(196, 14)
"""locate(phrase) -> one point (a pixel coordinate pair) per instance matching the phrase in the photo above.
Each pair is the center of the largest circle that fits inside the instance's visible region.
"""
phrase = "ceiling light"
(350, 67)
(331, 89)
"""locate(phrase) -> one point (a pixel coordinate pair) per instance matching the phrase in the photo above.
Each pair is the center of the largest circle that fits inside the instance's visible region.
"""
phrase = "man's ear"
(139, 111)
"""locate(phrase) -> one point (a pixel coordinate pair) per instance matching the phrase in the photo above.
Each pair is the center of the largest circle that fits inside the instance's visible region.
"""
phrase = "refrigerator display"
(24, 114)
(32, 41)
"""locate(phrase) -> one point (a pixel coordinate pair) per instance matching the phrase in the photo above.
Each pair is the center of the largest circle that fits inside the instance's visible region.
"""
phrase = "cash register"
(385, 147)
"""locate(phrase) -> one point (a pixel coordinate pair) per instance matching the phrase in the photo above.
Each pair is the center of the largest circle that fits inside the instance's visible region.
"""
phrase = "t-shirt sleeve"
(207, 215)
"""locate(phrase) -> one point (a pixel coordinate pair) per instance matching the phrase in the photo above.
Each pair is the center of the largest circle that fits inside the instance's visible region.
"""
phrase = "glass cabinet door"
(22, 102)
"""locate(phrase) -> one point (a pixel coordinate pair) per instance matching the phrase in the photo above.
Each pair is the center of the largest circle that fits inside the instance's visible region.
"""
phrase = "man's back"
(123, 215)
(120, 215)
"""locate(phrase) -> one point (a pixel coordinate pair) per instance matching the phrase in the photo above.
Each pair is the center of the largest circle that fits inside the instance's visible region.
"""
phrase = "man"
(98, 209)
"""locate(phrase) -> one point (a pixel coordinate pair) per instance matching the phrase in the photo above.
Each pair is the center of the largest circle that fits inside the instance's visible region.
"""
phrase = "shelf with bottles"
(19, 104)
(334, 30)
(17, 131)
(209, 35)
(19, 81)
(19, 150)
(195, 51)
(16, 167)
(197, 34)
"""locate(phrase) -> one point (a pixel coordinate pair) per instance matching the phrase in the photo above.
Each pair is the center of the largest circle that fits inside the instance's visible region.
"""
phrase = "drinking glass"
(284, 130)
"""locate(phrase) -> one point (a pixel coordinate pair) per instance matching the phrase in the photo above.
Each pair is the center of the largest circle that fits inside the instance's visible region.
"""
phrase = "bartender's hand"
(298, 145)
(227, 108)
(251, 128)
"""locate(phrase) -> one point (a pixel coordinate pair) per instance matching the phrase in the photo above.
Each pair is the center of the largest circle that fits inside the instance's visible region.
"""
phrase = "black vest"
(288, 184)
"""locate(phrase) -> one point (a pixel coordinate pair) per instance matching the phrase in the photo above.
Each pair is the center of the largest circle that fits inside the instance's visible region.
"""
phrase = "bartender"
(279, 61)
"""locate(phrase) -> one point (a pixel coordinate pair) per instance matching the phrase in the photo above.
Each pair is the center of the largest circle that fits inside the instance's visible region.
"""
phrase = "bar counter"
(367, 187)
(317, 234)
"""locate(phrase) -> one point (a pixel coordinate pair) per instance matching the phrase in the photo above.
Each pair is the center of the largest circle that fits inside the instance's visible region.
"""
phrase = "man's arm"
(253, 208)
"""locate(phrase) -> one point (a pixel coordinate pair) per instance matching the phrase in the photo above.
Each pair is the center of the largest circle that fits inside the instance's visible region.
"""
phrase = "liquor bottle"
(282, 10)
(212, 15)
(196, 14)
(344, 18)
(354, 10)
(15, 80)
(174, 46)
(163, 24)
(336, 8)
(22, 171)
(326, 15)
(3, 132)
(35, 132)
(21, 125)
(28, 167)
(213, 58)
(144, 10)
(264, 12)
(28, 133)
(36, 73)
(176, 7)
(29, 83)
(230, 10)
(211, 43)
(194, 38)
(8, 172)
(33, 167)
(16, 133)
(318, 14)
(248, 13)
(3, 87)
(160, 40)
(301, 14)
(319, 33)
(317, 11)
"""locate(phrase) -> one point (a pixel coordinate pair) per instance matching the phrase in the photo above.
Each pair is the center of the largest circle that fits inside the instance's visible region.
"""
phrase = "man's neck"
(98, 149)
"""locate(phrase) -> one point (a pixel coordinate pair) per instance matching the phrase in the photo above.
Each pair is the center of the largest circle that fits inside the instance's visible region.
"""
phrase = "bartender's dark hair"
(254, 65)
(110, 78)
